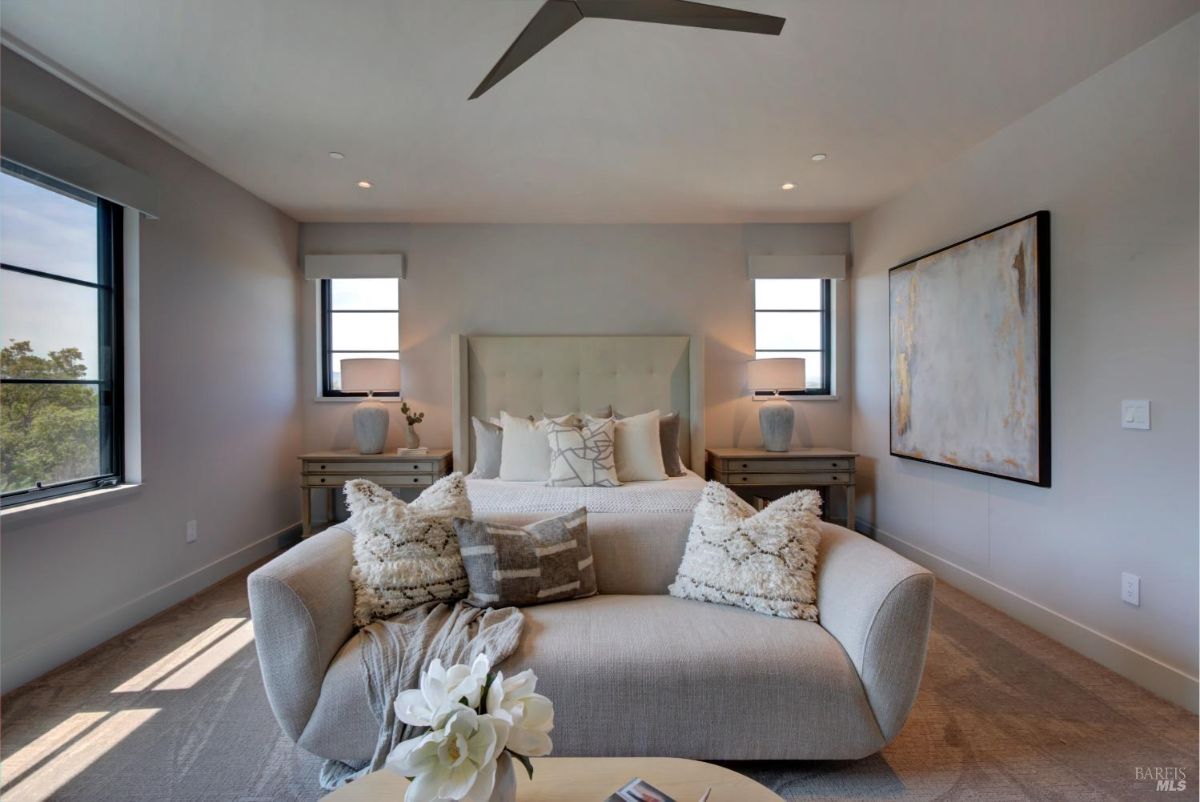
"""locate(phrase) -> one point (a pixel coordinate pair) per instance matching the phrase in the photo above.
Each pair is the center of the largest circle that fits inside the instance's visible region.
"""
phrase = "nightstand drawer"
(785, 465)
(798, 479)
(373, 467)
(384, 480)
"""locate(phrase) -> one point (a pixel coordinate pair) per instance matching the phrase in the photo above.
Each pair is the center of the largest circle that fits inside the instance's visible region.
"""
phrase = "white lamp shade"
(774, 375)
(371, 375)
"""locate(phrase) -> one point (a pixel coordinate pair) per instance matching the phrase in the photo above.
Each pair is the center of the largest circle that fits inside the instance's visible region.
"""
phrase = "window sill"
(50, 507)
(336, 399)
(805, 399)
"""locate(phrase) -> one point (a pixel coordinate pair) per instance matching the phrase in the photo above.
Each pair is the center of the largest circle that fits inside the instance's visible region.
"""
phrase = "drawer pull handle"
(322, 480)
(745, 466)
(322, 467)
(416, 467)
(416, 479)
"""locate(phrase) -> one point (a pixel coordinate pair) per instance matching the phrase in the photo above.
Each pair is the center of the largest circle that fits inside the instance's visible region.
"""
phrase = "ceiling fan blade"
(552, 21)
(683, 12)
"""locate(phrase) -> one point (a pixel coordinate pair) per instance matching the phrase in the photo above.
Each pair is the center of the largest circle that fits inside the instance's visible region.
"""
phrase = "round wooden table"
(590, 779)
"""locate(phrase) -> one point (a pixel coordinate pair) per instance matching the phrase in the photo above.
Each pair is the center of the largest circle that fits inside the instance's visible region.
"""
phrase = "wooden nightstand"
(754, 469)
(329, 470)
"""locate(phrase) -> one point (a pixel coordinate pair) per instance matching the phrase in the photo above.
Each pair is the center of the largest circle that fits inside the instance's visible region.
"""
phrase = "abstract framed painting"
(970, 353)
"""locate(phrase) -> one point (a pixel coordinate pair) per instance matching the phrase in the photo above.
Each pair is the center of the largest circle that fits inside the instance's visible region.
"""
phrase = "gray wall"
(221, 421)
(578, 279)
(1115, 161)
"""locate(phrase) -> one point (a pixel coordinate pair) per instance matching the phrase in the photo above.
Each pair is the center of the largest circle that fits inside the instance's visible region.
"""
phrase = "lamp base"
(776, 418)
(370, 427)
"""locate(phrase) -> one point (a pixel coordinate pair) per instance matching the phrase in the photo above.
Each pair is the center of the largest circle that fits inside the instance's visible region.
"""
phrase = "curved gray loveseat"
(633, 671)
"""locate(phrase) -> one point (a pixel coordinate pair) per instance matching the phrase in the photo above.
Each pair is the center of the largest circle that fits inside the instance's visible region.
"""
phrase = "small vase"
(411, 438)
(505, 789)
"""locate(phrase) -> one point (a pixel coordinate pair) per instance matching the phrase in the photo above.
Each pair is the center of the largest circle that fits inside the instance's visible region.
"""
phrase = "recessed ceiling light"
(788, 185)
(365, 184)
(333, 154)
(819, 157)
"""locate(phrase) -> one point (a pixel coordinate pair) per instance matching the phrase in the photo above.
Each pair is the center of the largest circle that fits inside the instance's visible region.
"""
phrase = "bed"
(559, 374)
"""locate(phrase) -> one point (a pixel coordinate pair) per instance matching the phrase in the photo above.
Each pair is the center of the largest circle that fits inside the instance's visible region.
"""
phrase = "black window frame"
(826, 351)
(110, 379)
(327, 389)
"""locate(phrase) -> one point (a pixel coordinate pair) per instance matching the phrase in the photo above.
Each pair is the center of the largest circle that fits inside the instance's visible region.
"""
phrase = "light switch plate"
(1135, 414)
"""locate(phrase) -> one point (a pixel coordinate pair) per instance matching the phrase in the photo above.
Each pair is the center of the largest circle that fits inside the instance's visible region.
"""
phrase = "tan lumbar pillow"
(405, 554)
(764, 561)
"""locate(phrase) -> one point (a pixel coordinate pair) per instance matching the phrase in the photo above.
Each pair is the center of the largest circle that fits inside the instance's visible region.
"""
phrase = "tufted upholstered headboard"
(561, 374)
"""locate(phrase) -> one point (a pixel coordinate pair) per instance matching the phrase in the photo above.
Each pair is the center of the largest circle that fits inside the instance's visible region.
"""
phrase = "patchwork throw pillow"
(582, 457)
(547, 561)
(668, 437)
(488, 438)
(764, 561)
(405, 554)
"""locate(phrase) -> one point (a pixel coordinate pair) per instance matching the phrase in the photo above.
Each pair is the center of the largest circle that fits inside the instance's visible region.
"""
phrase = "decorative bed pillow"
(547, 561)
(488, 439)
(639, 450)
(764, 561)
(582, 457)
(405, 554)
(524, 450)
(668, 436)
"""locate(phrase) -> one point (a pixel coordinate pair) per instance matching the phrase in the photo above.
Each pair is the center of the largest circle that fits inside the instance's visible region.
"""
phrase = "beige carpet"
(174, 710)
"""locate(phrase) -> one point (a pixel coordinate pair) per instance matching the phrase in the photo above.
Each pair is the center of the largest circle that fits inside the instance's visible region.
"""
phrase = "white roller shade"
(33, 145)
(766, 265)
(354, 265)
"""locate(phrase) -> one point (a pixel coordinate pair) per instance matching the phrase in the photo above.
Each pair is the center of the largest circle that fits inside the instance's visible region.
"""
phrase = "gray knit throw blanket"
(397, 650)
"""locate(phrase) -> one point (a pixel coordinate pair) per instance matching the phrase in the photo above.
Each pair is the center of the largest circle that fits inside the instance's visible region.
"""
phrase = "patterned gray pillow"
(583, 456)
(488, 439)
(547, 561)
(668, 436)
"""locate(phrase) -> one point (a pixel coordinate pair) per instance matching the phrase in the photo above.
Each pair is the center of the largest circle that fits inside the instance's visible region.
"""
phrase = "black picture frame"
(1042, 230)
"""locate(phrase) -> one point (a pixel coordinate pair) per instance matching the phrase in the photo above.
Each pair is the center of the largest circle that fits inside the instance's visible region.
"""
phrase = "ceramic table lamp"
(776, 417)
(370, 376)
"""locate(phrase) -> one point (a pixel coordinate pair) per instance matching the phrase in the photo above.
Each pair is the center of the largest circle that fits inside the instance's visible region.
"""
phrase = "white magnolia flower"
(456, 761)
(441, 692)
(530, 715)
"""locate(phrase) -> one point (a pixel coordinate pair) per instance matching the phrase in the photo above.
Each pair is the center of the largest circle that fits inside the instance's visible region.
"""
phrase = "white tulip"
(530, 715)
(441, 691)
(456, 761)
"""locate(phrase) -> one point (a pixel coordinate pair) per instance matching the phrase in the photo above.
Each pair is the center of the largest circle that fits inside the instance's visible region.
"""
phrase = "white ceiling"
(614, 122)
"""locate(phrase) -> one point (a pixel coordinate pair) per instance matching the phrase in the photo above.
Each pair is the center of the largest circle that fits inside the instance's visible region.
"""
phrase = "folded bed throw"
(397, 650)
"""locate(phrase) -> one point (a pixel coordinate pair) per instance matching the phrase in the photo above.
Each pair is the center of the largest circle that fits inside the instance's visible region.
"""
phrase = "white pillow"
(639, 450)
(524, 450)
(582, 457)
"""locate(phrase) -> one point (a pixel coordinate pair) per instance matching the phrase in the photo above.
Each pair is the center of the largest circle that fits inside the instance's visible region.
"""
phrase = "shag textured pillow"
(547, 561)
(582, 457)
(405, 554)
(764, 561)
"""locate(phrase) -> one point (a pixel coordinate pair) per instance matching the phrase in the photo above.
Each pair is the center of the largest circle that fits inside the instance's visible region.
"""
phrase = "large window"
(791, 319)
(60, 327)
(360, 318)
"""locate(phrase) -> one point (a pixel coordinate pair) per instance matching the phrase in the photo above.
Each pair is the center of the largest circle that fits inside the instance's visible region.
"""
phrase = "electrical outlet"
(191, 531)
(1131, 589)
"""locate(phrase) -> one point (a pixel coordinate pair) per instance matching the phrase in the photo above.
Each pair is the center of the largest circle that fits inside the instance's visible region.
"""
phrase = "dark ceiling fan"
(555, 17)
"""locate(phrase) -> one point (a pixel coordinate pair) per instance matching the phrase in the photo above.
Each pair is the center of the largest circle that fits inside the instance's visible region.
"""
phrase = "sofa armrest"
(879, 606)
(302, 605)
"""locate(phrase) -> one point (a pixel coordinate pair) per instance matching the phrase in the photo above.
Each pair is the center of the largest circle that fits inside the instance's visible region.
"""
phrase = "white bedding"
(677, 494)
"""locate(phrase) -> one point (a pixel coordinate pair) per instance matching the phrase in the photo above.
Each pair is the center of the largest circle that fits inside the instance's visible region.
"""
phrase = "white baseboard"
(65, 645)
(1139, 667)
